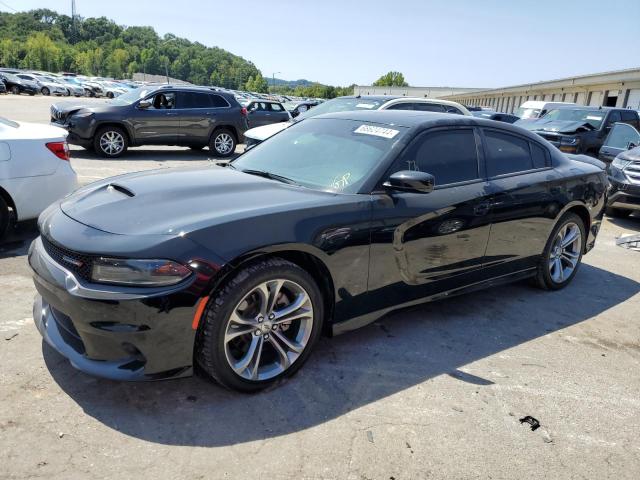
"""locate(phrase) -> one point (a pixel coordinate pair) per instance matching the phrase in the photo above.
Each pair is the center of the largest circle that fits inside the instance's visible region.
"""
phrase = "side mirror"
(144, 104)
(631, 145)
(411, 181)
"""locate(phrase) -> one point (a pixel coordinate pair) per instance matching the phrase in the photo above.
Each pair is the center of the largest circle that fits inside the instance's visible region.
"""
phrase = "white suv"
(344, 104)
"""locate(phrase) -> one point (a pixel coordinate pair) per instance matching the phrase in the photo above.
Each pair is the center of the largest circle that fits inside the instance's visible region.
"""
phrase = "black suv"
(577, 129)
(159, 115)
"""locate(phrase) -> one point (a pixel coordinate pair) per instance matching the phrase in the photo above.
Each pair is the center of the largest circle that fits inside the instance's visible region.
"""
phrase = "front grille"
(632, 171)
(78, 263)
(68, 331)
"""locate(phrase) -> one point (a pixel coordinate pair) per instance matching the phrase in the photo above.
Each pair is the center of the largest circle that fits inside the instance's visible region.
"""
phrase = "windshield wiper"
(270, 176)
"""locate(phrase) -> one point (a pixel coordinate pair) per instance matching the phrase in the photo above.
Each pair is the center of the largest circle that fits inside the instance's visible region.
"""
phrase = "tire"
(559, 264)
(110, 142)
(109, 94)
(5, 216)
(617, 212)
(222, 143)
(215, 352)
(45, 91)
(15, 90)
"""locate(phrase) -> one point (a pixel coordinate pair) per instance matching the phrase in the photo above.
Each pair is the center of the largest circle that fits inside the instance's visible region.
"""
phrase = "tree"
(257, 84)
(41, 53)
(391, 79)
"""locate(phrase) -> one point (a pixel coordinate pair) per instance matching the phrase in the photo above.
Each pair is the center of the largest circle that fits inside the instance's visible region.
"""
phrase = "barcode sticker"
(377, 131)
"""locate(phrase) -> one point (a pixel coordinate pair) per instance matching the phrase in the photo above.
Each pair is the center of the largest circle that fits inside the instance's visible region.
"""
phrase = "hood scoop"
(120, 188)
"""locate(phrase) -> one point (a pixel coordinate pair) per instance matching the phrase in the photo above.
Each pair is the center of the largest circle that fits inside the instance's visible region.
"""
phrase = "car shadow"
(630, 223)
(18, 238)
(138, 154)
(347, 372)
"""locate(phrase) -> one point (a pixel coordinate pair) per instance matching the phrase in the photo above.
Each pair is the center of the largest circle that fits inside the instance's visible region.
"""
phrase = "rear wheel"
(110, 142)
(261, 326)
(617, 212)
(562, 254)
(45, 91)
(222, 143)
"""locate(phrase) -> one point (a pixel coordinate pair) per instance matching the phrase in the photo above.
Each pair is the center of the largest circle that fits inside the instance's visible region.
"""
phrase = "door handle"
(482, 209)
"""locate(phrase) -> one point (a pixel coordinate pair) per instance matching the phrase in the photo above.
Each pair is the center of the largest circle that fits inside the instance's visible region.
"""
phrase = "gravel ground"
(431, 392)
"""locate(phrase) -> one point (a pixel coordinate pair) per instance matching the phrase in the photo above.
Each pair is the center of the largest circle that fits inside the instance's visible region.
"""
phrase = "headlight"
(620, 163)
(145, 273)
(569, 140)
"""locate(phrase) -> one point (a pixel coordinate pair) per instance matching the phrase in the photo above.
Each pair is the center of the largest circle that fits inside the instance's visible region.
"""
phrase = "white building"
(430, 92)
(613, 89)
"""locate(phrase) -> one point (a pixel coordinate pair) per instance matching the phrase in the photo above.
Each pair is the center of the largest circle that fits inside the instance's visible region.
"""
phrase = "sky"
(460, 43)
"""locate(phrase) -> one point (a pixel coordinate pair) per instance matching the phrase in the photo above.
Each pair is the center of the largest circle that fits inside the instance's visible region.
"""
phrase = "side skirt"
(363, 320)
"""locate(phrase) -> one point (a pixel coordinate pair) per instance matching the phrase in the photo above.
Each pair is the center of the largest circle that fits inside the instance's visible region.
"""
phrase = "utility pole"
(74, 22)
(273, 76)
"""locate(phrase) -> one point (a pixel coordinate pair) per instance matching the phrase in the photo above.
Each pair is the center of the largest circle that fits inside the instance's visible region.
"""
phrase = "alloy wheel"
(223, 143)
(111, 142)
(268, 329)
(565, 252)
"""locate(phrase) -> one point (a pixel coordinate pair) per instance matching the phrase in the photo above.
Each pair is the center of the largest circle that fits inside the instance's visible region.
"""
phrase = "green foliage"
(315, 90)
(45, 40)
(391, 79)
(257, 84)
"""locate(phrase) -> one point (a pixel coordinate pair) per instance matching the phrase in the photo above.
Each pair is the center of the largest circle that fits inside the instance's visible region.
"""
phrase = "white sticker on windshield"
(377, 131)
(366, 105)
(591, 117)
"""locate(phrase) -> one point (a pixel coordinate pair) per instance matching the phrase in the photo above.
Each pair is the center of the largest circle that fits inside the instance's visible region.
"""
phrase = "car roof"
(421, 120)
(584, 107)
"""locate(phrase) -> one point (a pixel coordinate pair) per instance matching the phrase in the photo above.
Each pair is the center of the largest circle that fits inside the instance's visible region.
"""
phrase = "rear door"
(195, 111)
(521, 188)
(423, 244)
(621, 137)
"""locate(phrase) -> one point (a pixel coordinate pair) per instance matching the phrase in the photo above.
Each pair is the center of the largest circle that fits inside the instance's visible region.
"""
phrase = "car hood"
(266, 131)
(180, 200)
(557, 126)
(67, 108)
(632, 155)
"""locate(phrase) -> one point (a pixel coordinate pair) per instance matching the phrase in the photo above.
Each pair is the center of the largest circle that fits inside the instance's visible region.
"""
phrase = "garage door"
(596, 99)
(581, 98)
(634, 99)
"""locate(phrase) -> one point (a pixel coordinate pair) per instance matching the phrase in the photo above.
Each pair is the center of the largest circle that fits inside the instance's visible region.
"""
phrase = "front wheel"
(110, 142)
(261, 326)
(562, 254)
(45, 91)
(223, 143)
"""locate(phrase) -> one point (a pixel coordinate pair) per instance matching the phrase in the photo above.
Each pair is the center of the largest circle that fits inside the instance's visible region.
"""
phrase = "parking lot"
(435, 391)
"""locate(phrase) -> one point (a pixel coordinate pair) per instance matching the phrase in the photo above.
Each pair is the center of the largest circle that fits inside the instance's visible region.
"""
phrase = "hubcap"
(111, 142)
(565, 252)
(268, 329)
(223, 143)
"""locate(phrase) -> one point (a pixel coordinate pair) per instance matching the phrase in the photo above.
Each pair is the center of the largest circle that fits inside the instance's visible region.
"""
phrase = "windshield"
(525, 113)
(593, 117)
(341, 105)
(323, 153)
(131, 96)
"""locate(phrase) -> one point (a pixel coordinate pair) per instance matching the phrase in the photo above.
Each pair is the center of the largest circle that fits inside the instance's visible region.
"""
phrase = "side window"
(449, 155)
(451, 109)
(163, 100)
(276, 107)
(539, 155)
(630, 117)
(218, 102)
(613, 118)
(621, 135)
(429, 107)
(194, 100)
(506, 153)
(401, 106)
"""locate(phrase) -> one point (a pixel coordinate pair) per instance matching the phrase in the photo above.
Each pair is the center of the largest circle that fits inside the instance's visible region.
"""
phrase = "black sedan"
(17, 85)
(326, 227)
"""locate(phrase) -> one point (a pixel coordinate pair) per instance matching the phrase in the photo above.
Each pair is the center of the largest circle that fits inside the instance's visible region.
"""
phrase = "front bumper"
(623, 195)
(115, 333)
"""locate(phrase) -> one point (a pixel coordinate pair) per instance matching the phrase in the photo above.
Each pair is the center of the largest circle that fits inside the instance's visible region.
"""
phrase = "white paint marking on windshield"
(366, 105)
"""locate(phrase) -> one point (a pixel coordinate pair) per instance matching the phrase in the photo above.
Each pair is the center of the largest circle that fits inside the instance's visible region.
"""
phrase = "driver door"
(621, 137)
(425, 243)
(159, 123)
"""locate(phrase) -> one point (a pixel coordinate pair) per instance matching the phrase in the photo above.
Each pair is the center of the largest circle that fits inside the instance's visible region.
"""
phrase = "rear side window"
(276, 107)
(429, 107)
(218, 102)
(194, 100)
(628, 116)
(449, 155)
(540, 156)
(506, 153)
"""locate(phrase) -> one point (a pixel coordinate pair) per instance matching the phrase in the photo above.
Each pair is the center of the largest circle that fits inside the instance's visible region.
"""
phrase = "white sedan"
(34, 169)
